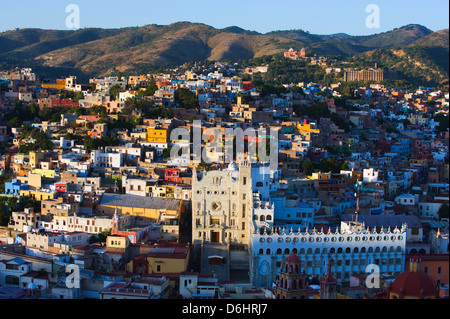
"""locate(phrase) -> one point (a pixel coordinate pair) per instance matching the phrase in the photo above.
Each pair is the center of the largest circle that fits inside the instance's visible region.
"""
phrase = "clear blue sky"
(318, 17)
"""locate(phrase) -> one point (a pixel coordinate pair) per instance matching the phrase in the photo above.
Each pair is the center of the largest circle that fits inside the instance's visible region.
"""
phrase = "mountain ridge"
(140, 49)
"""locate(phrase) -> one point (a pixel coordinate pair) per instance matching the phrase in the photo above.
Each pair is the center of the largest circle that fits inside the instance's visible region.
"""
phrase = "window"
(439, 270)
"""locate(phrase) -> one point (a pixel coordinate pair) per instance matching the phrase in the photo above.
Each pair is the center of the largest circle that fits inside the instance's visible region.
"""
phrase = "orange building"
(435, 265)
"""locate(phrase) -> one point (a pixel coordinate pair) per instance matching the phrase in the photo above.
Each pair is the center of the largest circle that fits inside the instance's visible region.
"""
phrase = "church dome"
(292, 258)
(413, 284)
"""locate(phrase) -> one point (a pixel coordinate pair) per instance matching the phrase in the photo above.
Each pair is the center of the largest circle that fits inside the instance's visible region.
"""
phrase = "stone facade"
(222, 206)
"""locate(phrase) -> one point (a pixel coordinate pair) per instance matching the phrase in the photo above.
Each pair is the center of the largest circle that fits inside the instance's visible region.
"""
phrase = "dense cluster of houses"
(391, 178)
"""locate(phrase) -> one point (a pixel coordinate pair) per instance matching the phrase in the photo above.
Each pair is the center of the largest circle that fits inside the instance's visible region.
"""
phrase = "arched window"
(348, 250)
(279, 251)
(261, 251)
(268, 251)
(269, 217)
(363, 249)
(355, 250)
(294, 251)
(332, 251)
(286, 251)
(339, 250)
(262, 218)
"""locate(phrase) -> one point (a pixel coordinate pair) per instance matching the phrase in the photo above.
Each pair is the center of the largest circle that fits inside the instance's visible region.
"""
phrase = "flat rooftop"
(125, 200)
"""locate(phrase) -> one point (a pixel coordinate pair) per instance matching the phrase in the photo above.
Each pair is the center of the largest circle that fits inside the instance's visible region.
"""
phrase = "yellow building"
(320, 176)
(53, 86)
(307, 127)
(35, 158)
(147, 208)
(170, 259)
(157, 135)
(38, 194)
(49, 173)
(166, 191)
(117, 244)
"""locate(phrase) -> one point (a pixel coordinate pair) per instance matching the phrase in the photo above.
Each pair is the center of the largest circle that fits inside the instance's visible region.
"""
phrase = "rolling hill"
(142, 49)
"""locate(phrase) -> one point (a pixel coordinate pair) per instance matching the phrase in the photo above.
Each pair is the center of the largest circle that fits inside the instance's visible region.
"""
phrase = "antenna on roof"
(357, 202)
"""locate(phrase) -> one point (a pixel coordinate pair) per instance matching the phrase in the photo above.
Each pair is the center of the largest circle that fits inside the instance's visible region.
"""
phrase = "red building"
(61, 187)
(172, 176)
(248, 85)
(64, 103)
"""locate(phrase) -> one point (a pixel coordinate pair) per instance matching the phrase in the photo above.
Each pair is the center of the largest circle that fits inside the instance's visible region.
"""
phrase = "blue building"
(14, 187)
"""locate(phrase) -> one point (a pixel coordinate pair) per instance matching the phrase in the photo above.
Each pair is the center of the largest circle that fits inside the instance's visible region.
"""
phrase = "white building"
(12, 270)
(407, 199)
(222, 205)
(193, 286)
(439, 241)
(370, 175)
(352, 250)
(106, 159)
(430, 209)
(134, 186)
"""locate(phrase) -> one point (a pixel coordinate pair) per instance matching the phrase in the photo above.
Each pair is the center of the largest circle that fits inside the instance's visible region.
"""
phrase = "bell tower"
(328, 285)
(291, 284)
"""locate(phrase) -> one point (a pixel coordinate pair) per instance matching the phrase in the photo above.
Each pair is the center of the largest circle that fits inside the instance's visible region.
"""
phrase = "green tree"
(7, 206)
(151, 88)
(307, 167)
(15, 122)
(204, 166)
(79, 96)
(186, 98)
(100, 237)
(114, 91)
